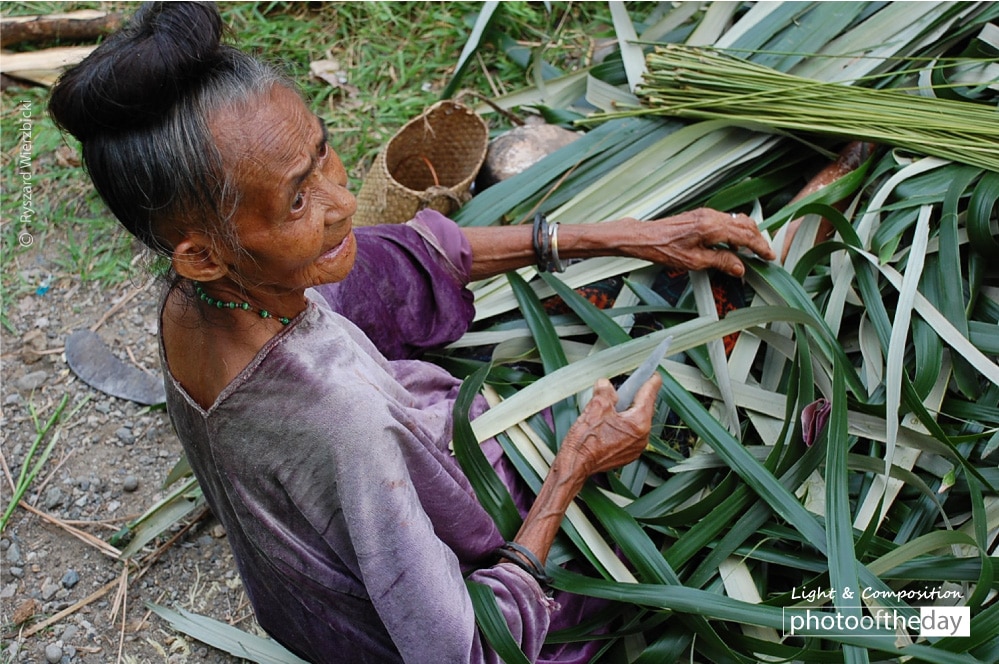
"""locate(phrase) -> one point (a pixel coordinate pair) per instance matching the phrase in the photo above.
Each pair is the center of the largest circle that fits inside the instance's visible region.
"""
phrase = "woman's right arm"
(600, 440)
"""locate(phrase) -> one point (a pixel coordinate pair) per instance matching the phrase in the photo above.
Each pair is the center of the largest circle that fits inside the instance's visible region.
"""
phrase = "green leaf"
(471, 46)
(631, 53)
(493, 625)
(226, 637)
(611, 143)
(159, 518)
(564, 412)
(981, 237)
(738, 459)
(952, 303)
(489, 489)
(647, 559)
(842, 556)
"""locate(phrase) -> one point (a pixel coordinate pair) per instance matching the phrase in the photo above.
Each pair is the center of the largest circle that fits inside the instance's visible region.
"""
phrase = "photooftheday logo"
(851, 621)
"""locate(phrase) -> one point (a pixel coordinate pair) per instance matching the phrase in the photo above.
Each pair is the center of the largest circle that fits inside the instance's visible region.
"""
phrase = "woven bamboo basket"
(430, 162)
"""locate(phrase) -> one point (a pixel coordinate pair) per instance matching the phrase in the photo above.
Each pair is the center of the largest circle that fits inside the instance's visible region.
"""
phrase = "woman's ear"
(194, 257)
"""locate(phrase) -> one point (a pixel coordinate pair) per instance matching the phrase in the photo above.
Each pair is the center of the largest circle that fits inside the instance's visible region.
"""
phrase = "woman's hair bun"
(136, 75)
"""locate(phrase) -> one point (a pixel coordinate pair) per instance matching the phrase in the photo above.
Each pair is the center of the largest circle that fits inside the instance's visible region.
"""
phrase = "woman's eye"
(299, 202)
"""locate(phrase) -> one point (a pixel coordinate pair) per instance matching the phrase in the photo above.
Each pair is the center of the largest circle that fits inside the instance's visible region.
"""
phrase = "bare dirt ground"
(63, 599)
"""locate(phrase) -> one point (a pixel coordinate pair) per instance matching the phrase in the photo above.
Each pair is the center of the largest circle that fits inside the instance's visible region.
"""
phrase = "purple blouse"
(351, 523)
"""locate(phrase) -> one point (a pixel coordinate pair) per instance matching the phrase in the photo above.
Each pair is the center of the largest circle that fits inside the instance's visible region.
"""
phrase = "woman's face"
(293, 223)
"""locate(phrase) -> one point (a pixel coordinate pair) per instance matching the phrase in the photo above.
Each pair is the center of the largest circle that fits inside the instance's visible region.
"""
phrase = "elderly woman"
(322, 448)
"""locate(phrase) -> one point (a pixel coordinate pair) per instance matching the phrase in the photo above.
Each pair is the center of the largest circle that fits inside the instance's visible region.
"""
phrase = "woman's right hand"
(600, 440)
(603, 438)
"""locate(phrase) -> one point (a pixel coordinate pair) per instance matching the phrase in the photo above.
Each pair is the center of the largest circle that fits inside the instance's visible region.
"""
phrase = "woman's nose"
(341, 202)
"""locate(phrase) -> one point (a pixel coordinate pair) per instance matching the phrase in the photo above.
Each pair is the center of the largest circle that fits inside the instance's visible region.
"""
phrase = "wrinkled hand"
(695, 240)
(602, 438)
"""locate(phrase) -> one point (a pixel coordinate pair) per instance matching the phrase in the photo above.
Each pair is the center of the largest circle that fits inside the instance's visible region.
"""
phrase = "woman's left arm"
(693, 240)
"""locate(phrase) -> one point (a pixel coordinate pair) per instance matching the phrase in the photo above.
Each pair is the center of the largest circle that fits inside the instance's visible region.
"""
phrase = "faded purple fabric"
(402, 310)
(350, 521)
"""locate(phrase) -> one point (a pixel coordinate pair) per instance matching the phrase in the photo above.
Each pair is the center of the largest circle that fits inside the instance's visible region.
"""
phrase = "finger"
(650, 390)
(745, 233)
(759, 245)
(604, 390)
(728, 262)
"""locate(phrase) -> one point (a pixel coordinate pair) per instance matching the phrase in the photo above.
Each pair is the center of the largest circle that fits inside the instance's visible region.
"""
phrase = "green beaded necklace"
(212, 302)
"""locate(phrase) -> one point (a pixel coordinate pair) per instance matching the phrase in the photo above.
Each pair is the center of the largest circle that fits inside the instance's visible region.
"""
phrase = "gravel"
(107, 466)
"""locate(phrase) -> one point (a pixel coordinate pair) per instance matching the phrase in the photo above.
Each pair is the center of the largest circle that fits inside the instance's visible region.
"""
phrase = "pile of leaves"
(843, 455)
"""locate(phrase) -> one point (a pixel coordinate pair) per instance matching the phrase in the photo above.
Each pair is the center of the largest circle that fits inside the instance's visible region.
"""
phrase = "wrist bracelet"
(523, 558)
(540, 241)
(545, 244)
(554, 263)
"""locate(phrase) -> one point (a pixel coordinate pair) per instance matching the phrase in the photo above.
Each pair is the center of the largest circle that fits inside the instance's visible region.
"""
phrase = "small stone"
(53, 653)
(13, 554)
(70, 578)
(131, 483)
(53, 498)
(31, 381)
(49, 591)
(125, 435)
(32, 346)
(69, 633)
(88, 628)
(8, 591)
(28, 303)
(16, 572)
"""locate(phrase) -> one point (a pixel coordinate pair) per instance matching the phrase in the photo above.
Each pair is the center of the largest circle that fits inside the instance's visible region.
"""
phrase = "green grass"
(395, 60)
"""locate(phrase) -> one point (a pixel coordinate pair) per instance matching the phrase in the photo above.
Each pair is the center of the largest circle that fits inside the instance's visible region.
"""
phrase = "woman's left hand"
(694, 240)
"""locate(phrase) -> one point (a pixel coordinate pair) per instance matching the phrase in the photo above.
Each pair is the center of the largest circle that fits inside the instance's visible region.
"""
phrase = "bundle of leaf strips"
(702, 83)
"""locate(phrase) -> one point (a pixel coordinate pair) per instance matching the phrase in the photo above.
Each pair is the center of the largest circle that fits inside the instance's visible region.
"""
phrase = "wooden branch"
(47, 59)
(85, 25)
(850, 159)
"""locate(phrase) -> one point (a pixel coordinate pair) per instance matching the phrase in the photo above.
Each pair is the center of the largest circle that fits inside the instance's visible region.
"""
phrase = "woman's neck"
(207, 347)
(230, 299)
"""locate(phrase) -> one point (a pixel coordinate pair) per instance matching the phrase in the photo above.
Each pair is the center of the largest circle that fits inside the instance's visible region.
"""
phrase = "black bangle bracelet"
(540, 241)
(523, 558)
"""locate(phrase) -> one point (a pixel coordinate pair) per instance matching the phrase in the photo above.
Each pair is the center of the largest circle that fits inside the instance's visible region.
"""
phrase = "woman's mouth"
(335, 252)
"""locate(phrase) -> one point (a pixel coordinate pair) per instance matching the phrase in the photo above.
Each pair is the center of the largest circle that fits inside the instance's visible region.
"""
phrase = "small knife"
(629, 388)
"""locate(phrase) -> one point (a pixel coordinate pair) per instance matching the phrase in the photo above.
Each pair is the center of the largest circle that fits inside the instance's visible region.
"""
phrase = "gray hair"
(141, 106)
